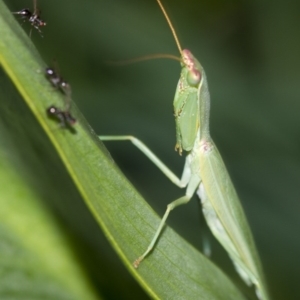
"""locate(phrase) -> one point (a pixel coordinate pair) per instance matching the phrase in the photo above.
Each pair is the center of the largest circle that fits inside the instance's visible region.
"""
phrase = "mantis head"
(194, 74)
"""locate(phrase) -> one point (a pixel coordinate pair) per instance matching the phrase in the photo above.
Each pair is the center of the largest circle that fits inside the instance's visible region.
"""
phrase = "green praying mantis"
(204, 173)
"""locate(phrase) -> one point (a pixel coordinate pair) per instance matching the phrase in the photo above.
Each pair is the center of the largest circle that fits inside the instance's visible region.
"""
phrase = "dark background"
(251, 53)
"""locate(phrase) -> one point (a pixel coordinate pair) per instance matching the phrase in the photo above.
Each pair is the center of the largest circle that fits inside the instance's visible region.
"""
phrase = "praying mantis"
(204, 172)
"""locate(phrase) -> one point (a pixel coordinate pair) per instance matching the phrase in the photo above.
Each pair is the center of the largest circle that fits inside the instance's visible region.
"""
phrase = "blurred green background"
(250, 51)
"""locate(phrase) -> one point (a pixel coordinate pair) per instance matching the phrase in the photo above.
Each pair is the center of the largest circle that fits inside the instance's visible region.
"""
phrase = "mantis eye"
(194, 77)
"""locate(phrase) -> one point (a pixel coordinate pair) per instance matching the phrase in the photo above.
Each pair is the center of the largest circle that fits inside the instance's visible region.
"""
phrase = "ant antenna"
(170, 24)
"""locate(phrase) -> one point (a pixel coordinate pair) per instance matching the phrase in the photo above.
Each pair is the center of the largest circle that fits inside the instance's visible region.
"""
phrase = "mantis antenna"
(153, 56)
(171, 26)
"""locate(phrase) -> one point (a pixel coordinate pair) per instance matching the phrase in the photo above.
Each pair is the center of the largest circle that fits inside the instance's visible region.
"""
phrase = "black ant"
(33, 18)
(63, 116)
(58, 82)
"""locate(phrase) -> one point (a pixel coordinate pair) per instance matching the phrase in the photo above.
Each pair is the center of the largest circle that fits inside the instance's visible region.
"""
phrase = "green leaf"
(174, 270)
(36, 259)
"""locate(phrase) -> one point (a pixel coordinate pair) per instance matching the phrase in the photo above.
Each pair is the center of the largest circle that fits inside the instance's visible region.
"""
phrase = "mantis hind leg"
(191, 188)
(188, 179)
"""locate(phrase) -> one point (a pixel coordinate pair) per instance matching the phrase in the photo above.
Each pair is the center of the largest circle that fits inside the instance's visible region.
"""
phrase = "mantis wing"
(226, 218)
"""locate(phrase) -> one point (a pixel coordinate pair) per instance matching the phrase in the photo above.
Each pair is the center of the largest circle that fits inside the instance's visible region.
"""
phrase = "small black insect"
(65, 118)
(33, 18)
(58, 82)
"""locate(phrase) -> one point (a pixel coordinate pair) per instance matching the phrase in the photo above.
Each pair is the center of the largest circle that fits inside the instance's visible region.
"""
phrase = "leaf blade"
(126, 219)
